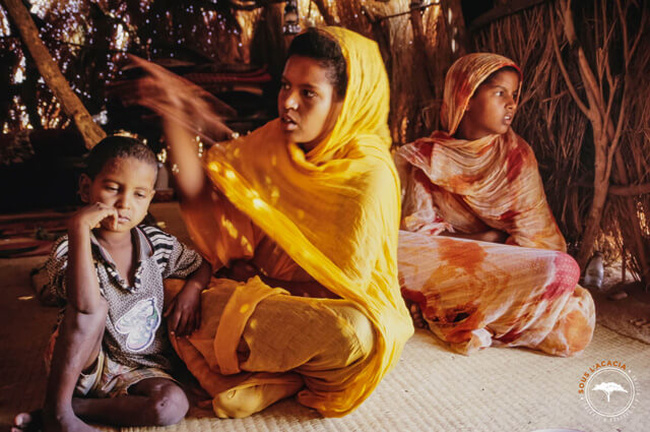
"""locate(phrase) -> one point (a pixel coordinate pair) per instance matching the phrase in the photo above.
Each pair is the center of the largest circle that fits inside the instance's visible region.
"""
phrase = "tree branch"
(563, 70)
(620, 190)
(630, 190)
(49, 70)
(325, 13)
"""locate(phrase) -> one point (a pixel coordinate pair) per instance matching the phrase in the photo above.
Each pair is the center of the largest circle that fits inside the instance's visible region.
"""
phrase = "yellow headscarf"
(334, 210)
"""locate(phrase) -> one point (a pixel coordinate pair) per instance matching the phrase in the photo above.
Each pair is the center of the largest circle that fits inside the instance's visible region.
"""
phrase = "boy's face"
(126, 184)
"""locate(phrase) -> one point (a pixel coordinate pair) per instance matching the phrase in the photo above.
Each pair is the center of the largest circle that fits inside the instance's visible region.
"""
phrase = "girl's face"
(492, 108)
(307, 103)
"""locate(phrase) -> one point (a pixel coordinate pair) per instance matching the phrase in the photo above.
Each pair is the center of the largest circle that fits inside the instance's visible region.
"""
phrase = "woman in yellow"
(301, 219)
(468, 188)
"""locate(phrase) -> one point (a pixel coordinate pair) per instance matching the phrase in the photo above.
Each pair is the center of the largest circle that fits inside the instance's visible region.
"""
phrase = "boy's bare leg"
(151, 402)
(76, 349)
(79, 335)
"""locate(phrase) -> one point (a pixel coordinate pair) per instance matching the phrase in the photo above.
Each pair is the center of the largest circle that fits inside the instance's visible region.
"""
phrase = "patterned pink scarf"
(472, 185)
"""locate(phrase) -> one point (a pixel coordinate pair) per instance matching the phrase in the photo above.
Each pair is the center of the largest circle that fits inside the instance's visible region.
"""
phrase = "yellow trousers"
(257, 345)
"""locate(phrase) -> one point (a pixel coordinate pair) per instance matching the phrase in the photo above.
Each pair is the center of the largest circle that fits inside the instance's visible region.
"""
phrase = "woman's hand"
(240, 270)
(187, 111)
(175, 99)
(491, 235)
(184, 312)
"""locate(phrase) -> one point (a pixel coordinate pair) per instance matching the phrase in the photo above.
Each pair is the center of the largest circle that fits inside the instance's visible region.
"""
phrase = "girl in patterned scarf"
(468, 189)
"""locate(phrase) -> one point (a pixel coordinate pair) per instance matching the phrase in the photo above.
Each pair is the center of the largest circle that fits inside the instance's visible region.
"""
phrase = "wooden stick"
(49, 70)
(565, 74)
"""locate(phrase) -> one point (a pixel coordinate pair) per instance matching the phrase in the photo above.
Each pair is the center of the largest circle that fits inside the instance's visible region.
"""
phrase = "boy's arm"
(184, 312)
(82, 284)
(200, 278)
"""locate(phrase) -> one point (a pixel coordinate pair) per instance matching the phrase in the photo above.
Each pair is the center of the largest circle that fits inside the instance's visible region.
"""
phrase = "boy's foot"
(28, 422)
(35, 422)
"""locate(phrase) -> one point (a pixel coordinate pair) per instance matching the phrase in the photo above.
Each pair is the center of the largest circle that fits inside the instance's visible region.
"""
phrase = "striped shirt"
(135, 333)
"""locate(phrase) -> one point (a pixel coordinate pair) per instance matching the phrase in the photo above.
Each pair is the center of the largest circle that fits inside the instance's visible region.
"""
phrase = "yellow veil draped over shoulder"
(333, 210)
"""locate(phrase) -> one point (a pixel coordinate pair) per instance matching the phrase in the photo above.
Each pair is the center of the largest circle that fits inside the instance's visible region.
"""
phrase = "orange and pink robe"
(476, 294)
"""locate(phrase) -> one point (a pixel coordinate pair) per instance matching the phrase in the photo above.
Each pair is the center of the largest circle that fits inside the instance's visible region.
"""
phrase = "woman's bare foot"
(416, 314)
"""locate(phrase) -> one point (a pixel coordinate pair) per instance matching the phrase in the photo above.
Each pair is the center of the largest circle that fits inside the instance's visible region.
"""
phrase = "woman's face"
(307, 103)
(492, 108)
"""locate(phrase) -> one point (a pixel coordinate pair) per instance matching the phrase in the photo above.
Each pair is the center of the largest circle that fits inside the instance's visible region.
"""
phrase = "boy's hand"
(90, 217)
(184, 312)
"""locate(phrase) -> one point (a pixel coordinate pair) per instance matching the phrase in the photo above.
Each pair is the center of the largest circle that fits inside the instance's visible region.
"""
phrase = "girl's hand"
(184, 312)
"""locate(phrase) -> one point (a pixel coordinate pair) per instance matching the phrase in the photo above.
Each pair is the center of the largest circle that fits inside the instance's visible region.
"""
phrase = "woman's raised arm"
(186, 111)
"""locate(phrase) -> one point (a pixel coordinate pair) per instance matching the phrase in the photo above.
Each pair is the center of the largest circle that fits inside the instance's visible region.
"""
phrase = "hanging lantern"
(291, 18)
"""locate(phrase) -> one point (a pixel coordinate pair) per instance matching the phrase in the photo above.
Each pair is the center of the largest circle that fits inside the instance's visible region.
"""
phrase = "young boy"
(109, 362)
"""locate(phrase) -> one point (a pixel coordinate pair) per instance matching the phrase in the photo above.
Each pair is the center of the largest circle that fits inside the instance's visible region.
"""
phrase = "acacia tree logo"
(608, 388)
(610, 392)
